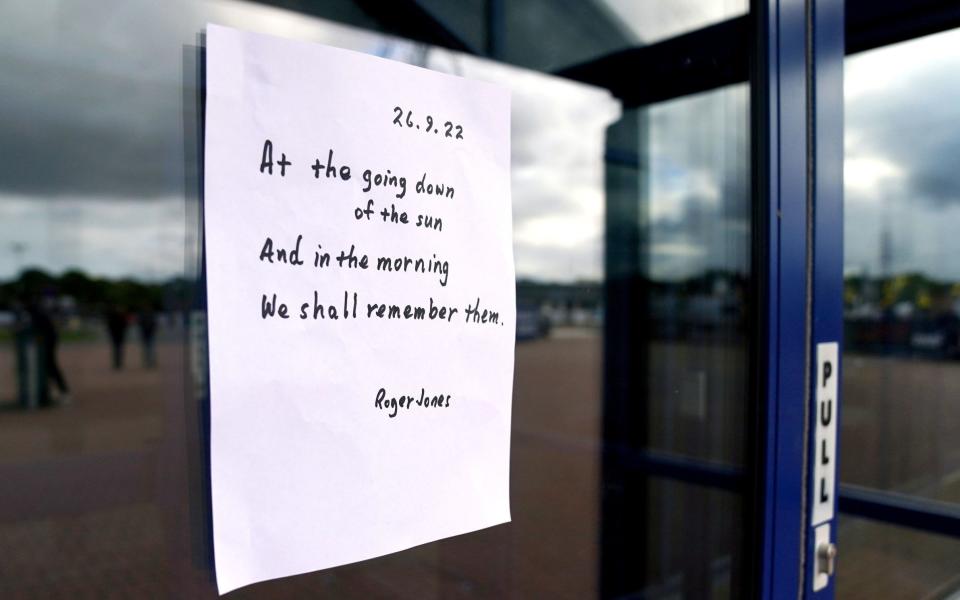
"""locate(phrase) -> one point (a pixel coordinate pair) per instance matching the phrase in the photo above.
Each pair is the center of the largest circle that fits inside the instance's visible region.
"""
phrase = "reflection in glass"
(698, 263)
(554, 34)
(99, 217)
(882, 561)
(100, 232)
(677, 340)
(651, 22)
(902, 279)
(900, 423)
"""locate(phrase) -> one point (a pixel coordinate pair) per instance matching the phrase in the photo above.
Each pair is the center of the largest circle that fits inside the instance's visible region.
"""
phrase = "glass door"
(661, 194)
(900, 488)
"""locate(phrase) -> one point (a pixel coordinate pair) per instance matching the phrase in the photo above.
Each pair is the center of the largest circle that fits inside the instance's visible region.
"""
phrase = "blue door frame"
(825, 203)
(798, 94)
(780, 192)
(797, 99)
(797, 103)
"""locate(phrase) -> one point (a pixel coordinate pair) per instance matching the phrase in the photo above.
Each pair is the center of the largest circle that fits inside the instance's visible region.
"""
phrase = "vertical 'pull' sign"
(825, 459)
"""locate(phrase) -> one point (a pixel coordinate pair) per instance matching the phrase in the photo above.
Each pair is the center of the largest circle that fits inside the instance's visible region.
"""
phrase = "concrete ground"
(100, 499)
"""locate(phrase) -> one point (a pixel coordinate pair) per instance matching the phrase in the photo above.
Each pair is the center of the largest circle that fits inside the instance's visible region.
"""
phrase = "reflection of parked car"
(937, 336)
(530, 323)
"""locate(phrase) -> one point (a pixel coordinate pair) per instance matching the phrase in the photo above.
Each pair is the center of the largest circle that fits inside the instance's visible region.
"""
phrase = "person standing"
(147, 323)
(117, 327)
(47, 338)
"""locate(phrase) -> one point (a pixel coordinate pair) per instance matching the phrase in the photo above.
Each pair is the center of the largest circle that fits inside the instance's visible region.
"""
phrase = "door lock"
(825, 557)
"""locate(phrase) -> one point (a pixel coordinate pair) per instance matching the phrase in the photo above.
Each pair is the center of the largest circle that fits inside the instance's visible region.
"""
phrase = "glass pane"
(102, 468)
(698, 263)
(550, 35)
(882, 561)
(466, 19)
(711, 568)
(650, 21)
(678, 287)
(900, 422)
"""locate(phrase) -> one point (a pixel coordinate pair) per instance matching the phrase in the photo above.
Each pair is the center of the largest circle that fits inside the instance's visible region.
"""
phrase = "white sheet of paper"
(307, 471)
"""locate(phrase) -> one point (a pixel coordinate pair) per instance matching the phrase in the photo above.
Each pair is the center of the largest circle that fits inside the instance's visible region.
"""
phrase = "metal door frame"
(799, 91)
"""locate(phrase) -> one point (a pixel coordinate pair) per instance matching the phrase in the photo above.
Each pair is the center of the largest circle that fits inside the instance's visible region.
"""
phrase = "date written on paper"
(450, 130)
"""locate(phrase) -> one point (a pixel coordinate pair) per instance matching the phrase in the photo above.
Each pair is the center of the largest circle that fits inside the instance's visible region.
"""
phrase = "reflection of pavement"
(901, 425)
(101, 508)
(111, 410)
(94, 498)
(881, 561)
(900, 431)
(568, 333)
(86, 517)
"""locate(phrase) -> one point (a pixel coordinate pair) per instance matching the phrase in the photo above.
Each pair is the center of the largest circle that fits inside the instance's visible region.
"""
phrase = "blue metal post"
(826, 93)
(780, 106)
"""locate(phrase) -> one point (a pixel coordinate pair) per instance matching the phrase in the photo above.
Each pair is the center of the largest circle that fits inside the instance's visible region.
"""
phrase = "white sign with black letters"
(825, 460)
(361, 300)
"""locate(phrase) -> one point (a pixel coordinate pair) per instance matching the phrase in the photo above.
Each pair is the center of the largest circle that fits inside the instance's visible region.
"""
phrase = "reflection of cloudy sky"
(91, 134)
(557, 146)
(902, 172)
(107, 236)
(654, 20)
(92, 137)
(699, 203)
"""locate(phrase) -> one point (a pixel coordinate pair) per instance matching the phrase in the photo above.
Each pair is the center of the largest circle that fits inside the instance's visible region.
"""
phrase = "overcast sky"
(902, 171)
(92, 138)
(654, 20)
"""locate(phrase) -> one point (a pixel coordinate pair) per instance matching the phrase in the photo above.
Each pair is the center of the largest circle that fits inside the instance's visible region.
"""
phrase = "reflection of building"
(710, 303)
(563, 305)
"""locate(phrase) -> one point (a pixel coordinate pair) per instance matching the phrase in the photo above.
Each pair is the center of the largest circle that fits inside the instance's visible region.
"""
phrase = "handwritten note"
(361, 305)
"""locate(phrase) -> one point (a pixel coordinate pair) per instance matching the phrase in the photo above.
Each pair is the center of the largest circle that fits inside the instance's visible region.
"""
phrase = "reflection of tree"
(92, 292)
(586, 294)
(713, 303)
(920, 291)
(899, 313)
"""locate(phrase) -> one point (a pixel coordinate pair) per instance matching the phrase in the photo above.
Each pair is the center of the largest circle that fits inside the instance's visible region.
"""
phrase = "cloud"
(93, 135)
(107, 237)
(92, 92)
(93, 122)
(699, 197)
(868, 176)
(901, 113)
(91, 105)
(558, 144)
(902, 143)
(651, 21)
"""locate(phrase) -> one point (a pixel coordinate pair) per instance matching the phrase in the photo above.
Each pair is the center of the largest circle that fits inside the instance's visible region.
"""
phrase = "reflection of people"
(147, 322)
(47, 337)
(117, 326)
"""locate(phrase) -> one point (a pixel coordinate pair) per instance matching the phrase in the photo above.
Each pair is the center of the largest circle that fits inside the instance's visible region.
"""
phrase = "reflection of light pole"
(886, 478)
(18, 248)
(886, 239)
